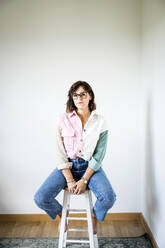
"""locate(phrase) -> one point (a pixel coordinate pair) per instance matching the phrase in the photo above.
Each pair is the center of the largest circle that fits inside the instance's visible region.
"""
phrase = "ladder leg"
(89, 215)
(96, 245)
(96, 241)
(63, 220)
(67, 207)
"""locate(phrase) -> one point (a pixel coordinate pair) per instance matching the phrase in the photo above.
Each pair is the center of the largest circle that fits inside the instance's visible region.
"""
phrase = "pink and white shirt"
(74, 141)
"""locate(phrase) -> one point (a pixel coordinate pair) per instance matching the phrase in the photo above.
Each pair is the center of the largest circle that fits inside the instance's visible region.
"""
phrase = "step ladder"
(93, 240)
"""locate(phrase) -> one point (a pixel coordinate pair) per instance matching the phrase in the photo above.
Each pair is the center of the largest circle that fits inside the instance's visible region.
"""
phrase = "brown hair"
(70, 106)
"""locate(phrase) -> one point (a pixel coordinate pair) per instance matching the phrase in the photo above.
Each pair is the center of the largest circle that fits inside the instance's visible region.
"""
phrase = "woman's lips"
(80, 102)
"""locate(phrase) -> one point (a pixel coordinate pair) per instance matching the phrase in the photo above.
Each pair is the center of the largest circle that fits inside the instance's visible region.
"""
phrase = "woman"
(81, 143)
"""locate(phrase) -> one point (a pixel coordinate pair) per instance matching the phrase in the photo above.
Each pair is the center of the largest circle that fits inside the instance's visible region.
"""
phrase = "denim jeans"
(55, 182)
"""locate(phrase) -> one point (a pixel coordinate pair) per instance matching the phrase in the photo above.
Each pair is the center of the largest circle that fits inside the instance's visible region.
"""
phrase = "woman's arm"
(68, 175)
(80, 185)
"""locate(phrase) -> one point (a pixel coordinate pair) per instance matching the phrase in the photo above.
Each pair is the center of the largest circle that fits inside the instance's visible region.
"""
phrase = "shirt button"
(81, 139)
(79, 151)
(84, 130)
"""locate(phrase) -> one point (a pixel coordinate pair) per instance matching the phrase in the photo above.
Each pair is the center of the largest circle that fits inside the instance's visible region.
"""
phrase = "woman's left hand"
(80, 187)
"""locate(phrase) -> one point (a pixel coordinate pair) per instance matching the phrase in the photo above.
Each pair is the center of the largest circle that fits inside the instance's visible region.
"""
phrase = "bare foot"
(59, 225)
(94, 220)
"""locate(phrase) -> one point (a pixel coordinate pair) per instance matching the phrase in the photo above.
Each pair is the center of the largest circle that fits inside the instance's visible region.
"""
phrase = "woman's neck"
(83, 113)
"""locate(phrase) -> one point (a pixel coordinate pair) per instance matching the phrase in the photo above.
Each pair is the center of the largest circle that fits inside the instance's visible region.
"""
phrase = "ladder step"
(78, 210)
(76, 218)
(77, 230)
(77, 241)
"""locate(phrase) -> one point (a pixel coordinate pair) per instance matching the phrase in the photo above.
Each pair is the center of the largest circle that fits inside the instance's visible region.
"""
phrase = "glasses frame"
(80, 95)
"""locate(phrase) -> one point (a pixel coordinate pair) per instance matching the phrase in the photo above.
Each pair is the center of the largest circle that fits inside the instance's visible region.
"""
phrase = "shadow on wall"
(151, 193)
(4, 207)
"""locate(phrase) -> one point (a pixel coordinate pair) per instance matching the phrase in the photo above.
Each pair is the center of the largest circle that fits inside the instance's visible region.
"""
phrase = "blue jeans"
(55, 182)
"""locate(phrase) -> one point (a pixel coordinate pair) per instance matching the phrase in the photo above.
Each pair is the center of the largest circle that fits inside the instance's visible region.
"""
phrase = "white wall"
(45, 46)
(153, 171)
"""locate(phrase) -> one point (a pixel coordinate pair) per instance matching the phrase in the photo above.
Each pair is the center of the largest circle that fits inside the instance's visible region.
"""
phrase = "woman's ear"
(90, 97)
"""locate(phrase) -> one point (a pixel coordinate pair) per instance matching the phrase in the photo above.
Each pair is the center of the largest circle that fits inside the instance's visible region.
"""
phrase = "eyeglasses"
(83, 95)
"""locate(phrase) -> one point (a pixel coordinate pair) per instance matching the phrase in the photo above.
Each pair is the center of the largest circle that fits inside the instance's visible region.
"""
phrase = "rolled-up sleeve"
(60, 152)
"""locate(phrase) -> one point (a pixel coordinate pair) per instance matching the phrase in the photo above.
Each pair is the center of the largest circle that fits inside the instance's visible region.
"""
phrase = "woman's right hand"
(71, 186)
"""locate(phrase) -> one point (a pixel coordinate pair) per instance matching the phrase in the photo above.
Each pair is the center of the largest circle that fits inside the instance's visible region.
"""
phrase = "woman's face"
(81, 98)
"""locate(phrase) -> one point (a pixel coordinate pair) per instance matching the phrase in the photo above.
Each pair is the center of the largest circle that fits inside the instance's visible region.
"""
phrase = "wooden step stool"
(93, 240)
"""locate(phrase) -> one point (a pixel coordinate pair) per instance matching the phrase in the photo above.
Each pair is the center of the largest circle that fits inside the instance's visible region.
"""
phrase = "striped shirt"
(73, 140)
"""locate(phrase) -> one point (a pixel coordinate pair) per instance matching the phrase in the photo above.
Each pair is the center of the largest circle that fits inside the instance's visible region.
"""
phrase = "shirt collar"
(73, 113)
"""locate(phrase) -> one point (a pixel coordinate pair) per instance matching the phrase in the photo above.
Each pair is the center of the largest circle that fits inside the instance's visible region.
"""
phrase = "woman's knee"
(38, 199)
(110, 199)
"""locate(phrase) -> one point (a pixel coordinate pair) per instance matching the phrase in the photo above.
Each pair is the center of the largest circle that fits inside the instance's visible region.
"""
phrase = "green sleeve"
(99, 152)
